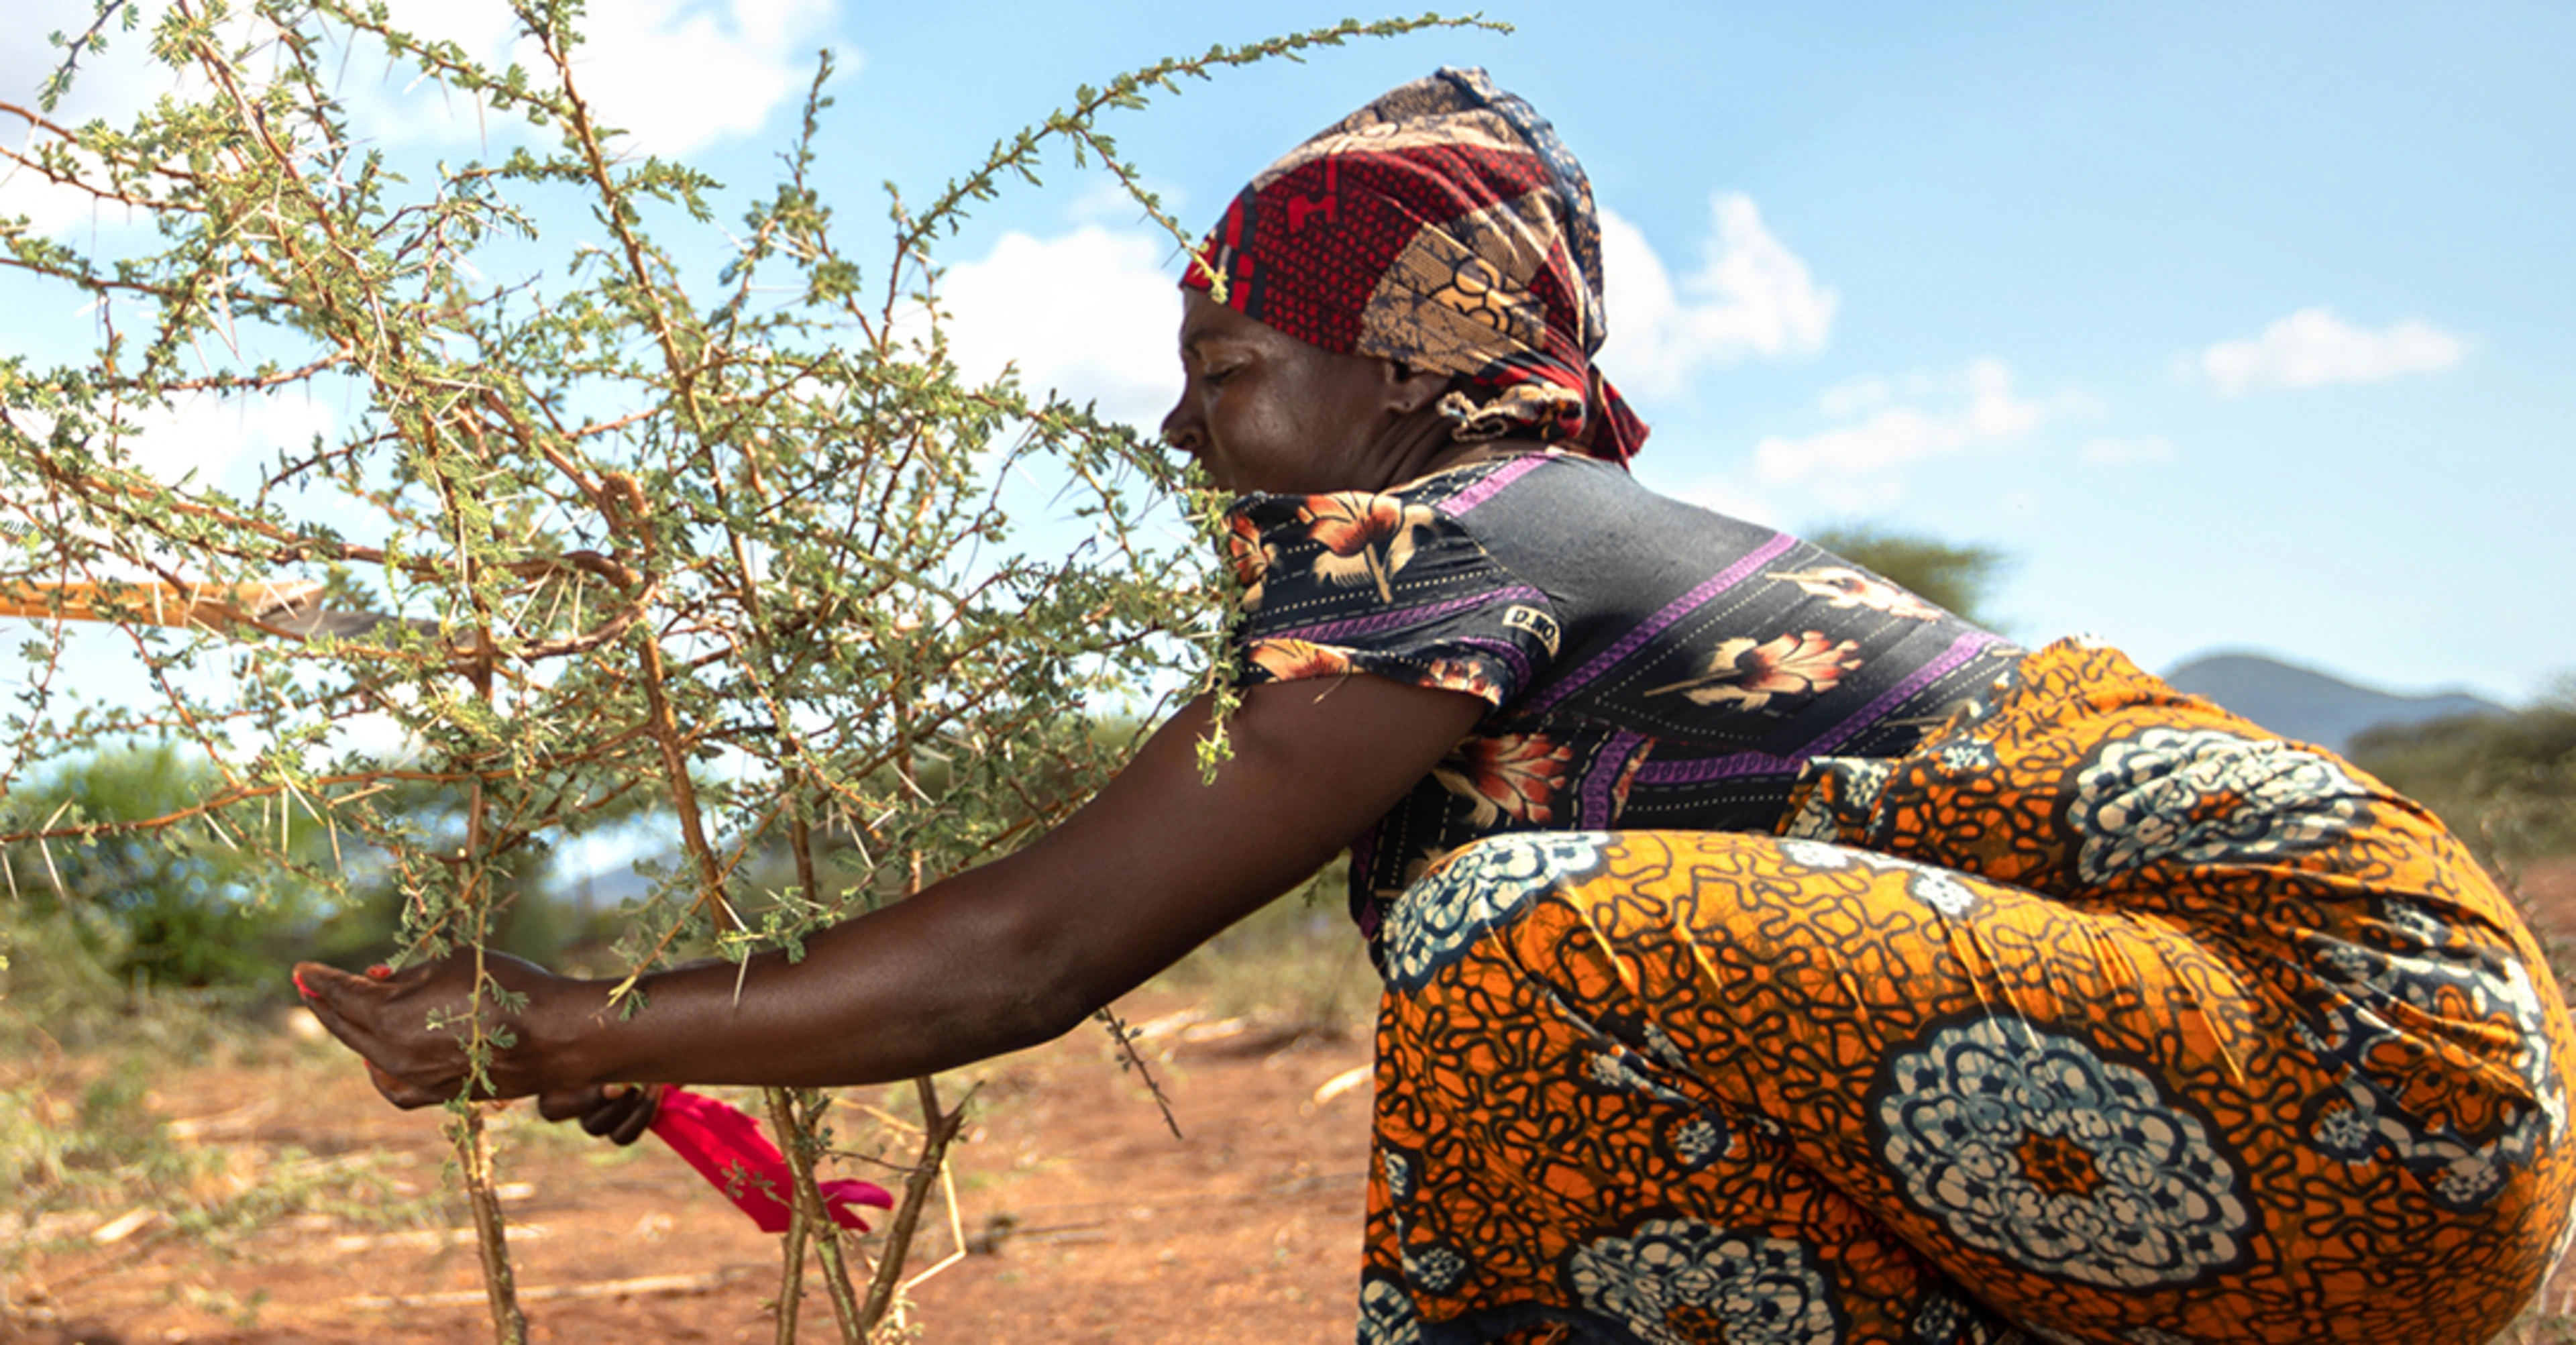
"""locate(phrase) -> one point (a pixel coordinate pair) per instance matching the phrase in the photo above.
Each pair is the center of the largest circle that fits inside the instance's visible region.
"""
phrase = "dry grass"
(1294, 967)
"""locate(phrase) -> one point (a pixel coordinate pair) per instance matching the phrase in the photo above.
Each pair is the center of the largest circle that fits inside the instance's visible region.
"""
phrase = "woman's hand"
(620, 1112)
(411, 1025)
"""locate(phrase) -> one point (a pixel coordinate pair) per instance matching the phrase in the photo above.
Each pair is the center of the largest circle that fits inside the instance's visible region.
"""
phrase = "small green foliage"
(729, 553)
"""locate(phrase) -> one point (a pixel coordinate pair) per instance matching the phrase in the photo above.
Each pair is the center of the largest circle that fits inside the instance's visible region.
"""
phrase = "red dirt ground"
(1085, 1219)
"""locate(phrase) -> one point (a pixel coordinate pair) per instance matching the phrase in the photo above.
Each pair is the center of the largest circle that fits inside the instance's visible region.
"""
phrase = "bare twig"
(938, 1129)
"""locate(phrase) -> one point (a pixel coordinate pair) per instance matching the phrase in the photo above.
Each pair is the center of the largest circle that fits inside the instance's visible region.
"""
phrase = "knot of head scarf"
(1446, 228)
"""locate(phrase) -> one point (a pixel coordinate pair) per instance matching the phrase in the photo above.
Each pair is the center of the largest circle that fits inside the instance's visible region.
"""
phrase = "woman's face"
(1264, 411)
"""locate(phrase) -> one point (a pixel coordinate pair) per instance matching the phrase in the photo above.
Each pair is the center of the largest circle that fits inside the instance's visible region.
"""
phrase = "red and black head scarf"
(1444, 227)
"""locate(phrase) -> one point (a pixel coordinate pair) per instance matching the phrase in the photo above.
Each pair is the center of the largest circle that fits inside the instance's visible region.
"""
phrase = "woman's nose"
(1181, 429)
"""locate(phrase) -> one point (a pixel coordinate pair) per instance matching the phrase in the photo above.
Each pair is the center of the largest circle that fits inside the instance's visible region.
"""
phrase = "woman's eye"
(1216, 375)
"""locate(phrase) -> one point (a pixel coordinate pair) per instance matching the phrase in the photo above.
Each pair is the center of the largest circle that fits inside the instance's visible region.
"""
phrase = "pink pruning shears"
(727, 1148)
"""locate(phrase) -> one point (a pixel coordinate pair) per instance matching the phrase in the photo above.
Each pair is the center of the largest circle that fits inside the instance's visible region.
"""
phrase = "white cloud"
(210, 436)
(676, 75)
(201, 441)
(684, 74)
(1863, 464)
(1092, 314)
(2312, 347)
(53, 208)
(201, 438)
(2116, 452)
(1853, 396)
(1750, 296)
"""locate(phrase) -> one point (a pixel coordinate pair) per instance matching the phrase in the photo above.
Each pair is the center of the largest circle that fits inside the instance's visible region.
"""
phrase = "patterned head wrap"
(1444, 227)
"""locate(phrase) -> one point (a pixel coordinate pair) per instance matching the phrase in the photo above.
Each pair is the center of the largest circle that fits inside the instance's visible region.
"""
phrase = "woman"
(1770, 955)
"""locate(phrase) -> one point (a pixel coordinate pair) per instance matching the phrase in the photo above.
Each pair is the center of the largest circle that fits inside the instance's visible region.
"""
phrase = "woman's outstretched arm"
(993, 959)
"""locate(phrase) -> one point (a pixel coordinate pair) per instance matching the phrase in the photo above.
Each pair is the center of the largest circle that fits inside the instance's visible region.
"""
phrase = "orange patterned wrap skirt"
(2102, 1016)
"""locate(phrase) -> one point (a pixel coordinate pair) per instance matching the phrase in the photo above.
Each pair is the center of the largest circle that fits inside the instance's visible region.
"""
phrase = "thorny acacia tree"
(741, 552)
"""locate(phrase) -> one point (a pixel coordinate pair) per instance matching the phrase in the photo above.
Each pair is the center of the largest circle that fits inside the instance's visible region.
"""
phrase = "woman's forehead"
(1203, 319)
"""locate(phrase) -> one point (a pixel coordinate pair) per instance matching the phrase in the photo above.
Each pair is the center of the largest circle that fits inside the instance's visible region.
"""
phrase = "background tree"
(2505, 783)
(184, 909)
(1959, 577)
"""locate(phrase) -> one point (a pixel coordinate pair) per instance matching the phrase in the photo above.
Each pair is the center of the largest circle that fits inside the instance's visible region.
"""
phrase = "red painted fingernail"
(379, 972)
(301, 988)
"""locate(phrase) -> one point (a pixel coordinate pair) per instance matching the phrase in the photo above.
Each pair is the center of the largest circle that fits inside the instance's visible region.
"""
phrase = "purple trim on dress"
(1704, 769)
(1673, 611)
(1966, 647)
(1608, 765)
(1366, 625)
(1457, 505)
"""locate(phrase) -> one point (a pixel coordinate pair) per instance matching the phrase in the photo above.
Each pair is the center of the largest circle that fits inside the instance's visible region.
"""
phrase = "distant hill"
(2308, 705)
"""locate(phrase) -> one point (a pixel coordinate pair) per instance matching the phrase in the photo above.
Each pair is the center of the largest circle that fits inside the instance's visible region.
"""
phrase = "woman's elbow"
(1042, 979)
(1040, 944)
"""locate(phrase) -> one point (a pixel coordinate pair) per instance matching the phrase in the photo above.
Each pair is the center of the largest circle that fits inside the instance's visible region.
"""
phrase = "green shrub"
(2505, 783)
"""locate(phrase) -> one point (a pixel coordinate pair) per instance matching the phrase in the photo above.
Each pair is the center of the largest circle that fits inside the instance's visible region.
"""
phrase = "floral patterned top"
(1650, 664)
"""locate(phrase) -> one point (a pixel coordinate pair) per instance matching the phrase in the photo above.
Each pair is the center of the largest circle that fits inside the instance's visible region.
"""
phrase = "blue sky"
(2242, 326)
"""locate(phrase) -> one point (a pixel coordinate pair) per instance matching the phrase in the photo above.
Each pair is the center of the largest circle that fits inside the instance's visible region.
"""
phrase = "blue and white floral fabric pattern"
(2031, 1146)
(1824, 855)
(1695, 1133)
(1941, 890)
(2425, 981)
(1831, 814)
(1615, 1066)
(1387, 1314)
(1434, 1267)
(2206, 796)
(1676, 1281)
(1480, 888)
(1942, 1320)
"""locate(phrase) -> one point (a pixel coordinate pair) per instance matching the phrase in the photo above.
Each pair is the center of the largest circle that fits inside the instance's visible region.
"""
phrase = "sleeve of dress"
(1382, 584)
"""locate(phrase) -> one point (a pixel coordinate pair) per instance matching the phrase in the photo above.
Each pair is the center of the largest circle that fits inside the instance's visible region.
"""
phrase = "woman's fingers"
(625, 1115)
(408, 1063)
(397, 1092)
(333, 995)
(639, 1116)
(613, 1108)
(416, 1026)
(617, 1112)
